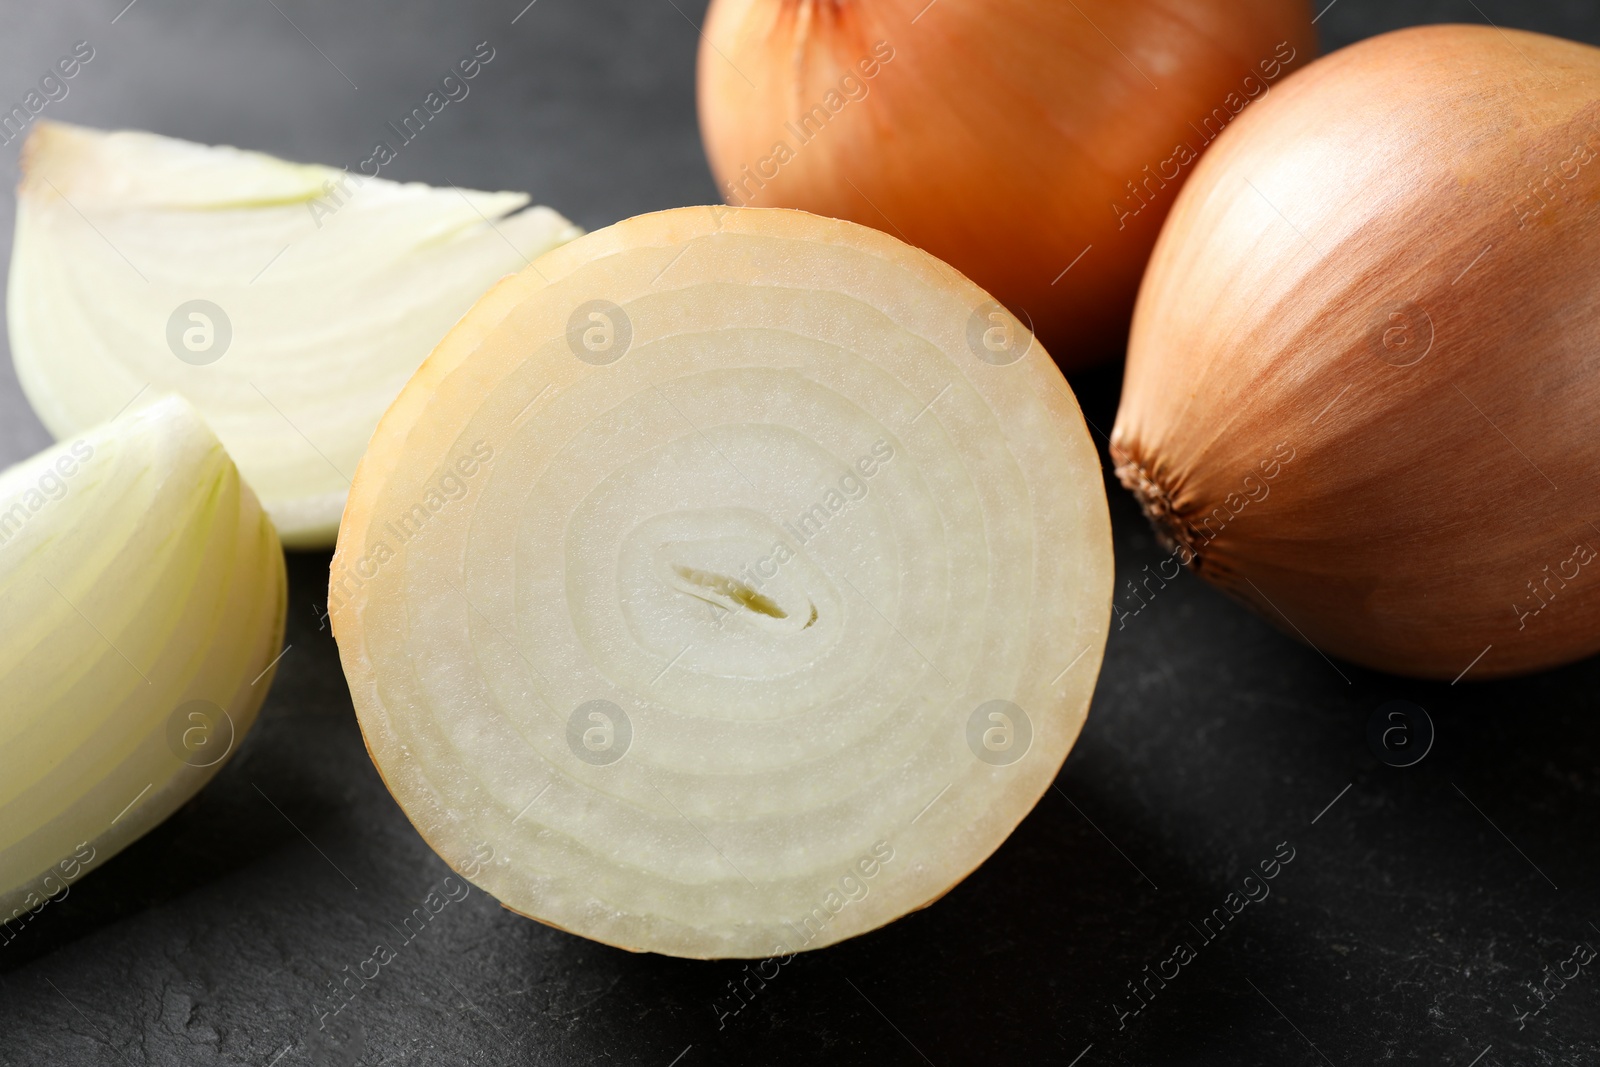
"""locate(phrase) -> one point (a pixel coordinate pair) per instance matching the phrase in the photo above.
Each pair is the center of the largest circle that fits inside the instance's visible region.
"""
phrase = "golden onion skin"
(1007, 137)
(1387, 273)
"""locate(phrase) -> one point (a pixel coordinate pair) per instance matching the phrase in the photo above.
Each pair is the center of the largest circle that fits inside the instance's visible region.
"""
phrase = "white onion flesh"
(331, 288)
(142, 596)
(606, 531)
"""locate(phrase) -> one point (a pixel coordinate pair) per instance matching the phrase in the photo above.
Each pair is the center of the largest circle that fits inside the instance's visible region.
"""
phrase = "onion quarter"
(288, 302)
(142, 597)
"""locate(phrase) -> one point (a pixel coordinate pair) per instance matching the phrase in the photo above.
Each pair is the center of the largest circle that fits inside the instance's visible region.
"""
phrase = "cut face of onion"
(728, 583)
(289, 303)
(142, 601)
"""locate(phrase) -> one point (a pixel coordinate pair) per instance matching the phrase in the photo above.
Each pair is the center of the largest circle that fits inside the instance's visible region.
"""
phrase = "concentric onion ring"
(728, 583)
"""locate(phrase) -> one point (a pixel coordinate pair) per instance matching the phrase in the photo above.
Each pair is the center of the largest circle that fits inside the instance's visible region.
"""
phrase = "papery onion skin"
(142, 606)
(1007, 137)
(768, 354)
(1388, 271)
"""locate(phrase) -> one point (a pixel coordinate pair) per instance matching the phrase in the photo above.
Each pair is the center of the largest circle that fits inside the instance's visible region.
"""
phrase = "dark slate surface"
(1416, 910)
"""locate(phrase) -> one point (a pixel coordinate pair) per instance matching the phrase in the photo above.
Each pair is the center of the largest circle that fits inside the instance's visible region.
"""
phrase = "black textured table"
(1419, 906)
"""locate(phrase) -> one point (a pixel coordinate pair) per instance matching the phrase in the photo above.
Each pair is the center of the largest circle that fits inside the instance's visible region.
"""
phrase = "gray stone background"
(1404, 931)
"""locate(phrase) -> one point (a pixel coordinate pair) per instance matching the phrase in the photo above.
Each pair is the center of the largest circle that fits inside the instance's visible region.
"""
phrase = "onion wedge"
(142, 597)
(288, 302)
(728, 583)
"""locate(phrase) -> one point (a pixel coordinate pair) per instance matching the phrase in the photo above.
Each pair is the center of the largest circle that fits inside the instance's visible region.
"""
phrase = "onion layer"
(142, 598)
(288, 302)
(1379, 287)
(1007, 137)
(729, 582)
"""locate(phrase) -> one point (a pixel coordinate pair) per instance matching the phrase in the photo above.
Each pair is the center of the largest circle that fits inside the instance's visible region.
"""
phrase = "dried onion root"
(728, 583)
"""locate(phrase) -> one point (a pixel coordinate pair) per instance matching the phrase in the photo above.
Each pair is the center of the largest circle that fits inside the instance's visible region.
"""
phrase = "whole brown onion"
(1007, 137)
(1362, 389)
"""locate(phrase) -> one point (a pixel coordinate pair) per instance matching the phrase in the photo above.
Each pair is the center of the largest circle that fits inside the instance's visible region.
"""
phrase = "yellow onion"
(1007, 137)
(727, 583)
(1361, 392)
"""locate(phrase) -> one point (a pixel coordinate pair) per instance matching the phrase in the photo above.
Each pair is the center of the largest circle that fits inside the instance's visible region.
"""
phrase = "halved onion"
(142, 598)
(728, 583)
(288, 302)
